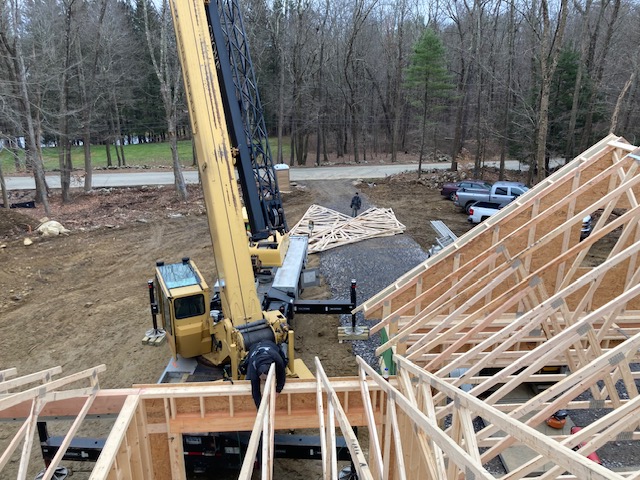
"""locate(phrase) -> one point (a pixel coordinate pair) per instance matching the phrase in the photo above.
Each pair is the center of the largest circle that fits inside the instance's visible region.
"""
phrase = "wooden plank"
(326, 452)
(535, 440)
(28, 440)
(397, 441)
(427, 424)
(105, 461)
(333, 229)
(544, 216)
(357, 456)
(449, 285)
(258, 427)
(346, 334)
(498, 339)
(42, 376)
(15, 441)
(431, 452)
(8, 373)
(107, 402)
(17, 398)
(374, 440)
(48, 474)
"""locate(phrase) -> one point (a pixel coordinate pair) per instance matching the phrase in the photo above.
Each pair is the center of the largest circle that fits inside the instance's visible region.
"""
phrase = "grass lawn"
(148, 154)
(143, 155)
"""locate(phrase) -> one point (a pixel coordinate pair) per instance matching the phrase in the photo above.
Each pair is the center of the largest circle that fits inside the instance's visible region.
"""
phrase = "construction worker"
(261, 356)
(356, 204)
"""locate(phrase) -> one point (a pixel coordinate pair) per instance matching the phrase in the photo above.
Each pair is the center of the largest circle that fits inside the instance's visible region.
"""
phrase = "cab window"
(166, 315)
(186, 307)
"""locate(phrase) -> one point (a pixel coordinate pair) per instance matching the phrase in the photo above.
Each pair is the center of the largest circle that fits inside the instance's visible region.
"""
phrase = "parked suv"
(449, 189)
(585, 229)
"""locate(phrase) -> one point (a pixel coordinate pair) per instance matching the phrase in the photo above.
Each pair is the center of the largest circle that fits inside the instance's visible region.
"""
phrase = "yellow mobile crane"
(223, 336)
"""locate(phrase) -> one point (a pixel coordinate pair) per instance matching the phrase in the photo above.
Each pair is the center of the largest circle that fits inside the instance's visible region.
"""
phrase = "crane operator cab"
(195, 328)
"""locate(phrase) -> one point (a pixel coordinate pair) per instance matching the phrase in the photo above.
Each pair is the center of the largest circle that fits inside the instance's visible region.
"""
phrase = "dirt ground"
(81, 300)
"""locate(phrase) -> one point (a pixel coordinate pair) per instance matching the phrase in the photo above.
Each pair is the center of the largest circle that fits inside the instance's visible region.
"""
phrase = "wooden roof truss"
(521, 293)
(329, 229)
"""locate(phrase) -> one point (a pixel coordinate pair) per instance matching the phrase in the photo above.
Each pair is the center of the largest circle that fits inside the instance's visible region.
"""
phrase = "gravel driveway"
(374, 263)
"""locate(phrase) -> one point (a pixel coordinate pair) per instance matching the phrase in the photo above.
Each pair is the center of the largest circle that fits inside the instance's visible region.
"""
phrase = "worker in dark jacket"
(261, 356)
(356, 204)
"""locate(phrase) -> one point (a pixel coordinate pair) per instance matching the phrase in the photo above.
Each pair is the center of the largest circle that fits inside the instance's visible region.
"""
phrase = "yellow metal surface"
(190, 341)
(301, 370)
(215, 163)
(187, 336)
(271, 252)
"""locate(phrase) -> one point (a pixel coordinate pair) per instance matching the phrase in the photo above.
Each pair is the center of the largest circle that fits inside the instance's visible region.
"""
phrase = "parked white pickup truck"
(500, 193)
(480, 211)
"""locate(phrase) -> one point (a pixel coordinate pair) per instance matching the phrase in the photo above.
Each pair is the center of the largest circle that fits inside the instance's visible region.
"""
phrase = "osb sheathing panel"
(155, 411)
(160, 455)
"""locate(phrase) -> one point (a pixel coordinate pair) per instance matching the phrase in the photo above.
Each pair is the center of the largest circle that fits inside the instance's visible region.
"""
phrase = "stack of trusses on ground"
(514, 297)
(328, 229)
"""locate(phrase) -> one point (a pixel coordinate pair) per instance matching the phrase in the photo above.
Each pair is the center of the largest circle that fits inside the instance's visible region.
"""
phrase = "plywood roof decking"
(333, 229)
(514, 293)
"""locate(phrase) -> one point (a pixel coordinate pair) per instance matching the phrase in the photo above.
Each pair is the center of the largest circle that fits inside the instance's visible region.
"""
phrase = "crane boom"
(215, 163)
(245, 119)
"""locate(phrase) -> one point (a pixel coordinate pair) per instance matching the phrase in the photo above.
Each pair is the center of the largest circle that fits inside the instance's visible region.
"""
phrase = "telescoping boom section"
(215, 163)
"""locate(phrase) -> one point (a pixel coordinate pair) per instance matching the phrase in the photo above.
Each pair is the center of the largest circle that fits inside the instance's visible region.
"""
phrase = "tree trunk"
(19, 73)
(119, 138)
(107, 146)
(549, 52)
(168, 77)
(458, 137)
(321, 88)
(88, 165)
(87, 105)
(397, 87)
(597, 72)
(5, 193)
(504, 144)
(13, 148)
(423, 136)
(584, 49)
(181, 185)
(623, 92)
(65, 143)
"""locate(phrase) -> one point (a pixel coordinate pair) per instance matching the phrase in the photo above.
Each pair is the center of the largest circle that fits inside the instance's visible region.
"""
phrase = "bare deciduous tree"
(162, 49)
(550, 35)
(11, 46)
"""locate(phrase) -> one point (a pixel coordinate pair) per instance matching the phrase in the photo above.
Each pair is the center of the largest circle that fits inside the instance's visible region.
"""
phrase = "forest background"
(525, 79)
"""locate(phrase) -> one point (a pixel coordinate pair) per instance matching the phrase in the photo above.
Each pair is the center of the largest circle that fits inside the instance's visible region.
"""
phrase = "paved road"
(128, 179)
